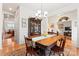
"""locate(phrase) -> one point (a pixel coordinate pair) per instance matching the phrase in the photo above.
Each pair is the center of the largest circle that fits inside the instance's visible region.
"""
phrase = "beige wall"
(1, 25)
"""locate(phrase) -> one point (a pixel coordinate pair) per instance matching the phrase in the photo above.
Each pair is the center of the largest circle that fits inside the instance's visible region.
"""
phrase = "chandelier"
(41, 13)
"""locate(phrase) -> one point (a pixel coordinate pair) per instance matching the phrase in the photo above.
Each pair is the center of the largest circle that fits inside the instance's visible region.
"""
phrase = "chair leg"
(49, 53)
(34, 53)
(61, 54)
(26, 54)
(53, 53)
(29, 52)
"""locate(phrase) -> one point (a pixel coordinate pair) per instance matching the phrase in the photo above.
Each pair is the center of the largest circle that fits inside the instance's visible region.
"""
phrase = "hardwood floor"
(78, 51)
(11, 48)
(70, 50)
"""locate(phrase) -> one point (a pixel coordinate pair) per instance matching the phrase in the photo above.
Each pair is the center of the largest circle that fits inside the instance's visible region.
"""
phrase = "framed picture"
(23, 23)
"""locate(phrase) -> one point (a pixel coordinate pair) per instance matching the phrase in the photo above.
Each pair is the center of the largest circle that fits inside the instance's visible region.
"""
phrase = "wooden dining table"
(50, 40)
(47, 43)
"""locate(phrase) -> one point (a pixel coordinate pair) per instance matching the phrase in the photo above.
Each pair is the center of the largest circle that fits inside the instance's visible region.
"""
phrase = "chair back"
(62, 43)
(28, 42)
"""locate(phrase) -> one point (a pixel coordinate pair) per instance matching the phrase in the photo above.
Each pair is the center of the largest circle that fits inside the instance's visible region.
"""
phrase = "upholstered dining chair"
(59, 50)
(29, 47)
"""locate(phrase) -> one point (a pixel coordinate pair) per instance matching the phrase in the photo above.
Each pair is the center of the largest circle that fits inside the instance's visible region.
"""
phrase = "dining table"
(45, 42)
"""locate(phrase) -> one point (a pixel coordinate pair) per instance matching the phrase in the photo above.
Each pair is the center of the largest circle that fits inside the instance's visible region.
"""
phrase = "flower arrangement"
(45, 34)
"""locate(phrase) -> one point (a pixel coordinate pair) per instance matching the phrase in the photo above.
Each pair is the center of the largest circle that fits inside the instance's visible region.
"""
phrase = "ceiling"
(49, 7)
(6, 7)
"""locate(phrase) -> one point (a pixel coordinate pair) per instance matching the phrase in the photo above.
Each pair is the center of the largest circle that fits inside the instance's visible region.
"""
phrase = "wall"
(77, 25)
(1, 24)
(44, 25)
(53, 20)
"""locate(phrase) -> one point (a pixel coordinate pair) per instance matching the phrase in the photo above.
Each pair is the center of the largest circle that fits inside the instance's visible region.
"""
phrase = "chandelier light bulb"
(36, 14)
(39, 11)
(45, 14)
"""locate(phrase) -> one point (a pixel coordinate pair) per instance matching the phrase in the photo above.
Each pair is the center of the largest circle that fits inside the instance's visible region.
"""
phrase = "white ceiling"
(6, 7)
(49, 7)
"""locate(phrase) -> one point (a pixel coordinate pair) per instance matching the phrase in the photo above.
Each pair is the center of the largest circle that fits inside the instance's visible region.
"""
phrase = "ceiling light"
(10, 9)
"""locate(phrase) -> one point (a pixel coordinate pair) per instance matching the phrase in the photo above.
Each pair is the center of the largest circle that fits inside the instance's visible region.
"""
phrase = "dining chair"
(29, 47)
(59, 49)
(42, 49)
